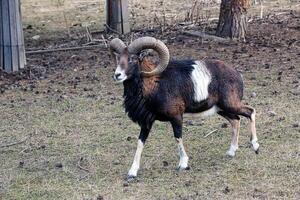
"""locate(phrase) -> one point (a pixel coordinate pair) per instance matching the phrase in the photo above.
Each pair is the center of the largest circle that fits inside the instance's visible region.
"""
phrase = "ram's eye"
(133, 58)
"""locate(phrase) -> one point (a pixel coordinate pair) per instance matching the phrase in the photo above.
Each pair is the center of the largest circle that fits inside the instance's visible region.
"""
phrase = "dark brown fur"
(167, 96)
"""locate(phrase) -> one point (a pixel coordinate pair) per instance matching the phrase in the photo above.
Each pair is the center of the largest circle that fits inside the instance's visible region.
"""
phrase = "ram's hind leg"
(249, 112)
(230, 102)
(177, 129)
(234, 121)
(253, 139)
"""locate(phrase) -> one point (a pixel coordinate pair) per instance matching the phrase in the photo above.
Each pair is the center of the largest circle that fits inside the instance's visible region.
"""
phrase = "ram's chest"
(174, 107)
(136, 107)
(160, 102)
(150, 85)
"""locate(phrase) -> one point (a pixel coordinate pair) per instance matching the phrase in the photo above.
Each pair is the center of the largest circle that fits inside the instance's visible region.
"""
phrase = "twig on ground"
(211, 132)
(204, 36)
(82, 168)
(88, 34)
(81, 178)
(15, 143)
(105, 43)
(63, 49)
(26, 149)
(282, 13)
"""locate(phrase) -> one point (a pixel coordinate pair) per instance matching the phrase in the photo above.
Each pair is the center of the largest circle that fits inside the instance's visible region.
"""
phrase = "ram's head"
(122, 56)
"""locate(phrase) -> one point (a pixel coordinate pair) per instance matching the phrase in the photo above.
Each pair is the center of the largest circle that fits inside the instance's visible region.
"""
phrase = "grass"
(81, 144)
(94, 142)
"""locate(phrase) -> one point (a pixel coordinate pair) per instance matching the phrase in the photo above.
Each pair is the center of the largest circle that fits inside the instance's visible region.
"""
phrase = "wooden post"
(117, 16)
(12, 51)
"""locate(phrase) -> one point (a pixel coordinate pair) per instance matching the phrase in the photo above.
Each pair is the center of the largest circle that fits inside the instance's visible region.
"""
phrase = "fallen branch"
(82, 168)
(204, 36)
(14, 143)
(64, 49)
(88, 34)
(211, 132)
(104, 41)
(81, 178)
(282, 13)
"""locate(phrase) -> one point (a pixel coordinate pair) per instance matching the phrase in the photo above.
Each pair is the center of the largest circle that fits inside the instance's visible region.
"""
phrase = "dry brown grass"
(65, 15)
(81, 143)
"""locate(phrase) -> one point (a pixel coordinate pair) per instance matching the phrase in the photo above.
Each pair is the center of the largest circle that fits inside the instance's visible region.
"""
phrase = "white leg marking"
(254, 144)
(254, 139)
(183, 162)
(231, 151)
(234, 138)
(137, 158)
(201, 79)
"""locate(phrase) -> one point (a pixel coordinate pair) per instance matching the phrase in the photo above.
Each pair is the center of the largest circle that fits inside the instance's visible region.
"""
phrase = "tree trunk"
(233, 19)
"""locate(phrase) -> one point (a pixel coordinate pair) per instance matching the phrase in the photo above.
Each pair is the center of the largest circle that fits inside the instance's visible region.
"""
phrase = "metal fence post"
(12, 50)
(117, 17)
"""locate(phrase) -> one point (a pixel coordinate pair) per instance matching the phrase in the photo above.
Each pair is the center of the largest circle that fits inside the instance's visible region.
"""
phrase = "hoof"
(130, 178)
(255, 145)
(230, 154)
(180, 169)
(257, 151)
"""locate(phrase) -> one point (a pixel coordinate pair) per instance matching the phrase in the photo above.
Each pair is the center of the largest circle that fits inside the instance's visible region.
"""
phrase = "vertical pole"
(1, 39)
(12, 51)
(117, 16)
(22, 57)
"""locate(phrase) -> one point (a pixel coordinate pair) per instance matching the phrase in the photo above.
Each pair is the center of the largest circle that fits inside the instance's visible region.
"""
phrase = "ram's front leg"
(137, 157)
(177, 129)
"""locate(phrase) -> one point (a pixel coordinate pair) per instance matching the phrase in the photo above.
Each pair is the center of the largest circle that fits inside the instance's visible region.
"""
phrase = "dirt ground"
(43, 16)
(70, 137)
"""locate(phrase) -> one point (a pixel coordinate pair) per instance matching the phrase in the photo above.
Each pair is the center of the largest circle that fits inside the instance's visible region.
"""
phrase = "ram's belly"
(207, 112)
(206, 107)
(213, 110)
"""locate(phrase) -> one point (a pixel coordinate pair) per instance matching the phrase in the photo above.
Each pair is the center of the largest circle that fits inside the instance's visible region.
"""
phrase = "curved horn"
(151, 43)
(117, 45)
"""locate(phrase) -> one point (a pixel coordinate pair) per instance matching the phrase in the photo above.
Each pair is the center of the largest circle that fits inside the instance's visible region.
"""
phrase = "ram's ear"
(145, 53)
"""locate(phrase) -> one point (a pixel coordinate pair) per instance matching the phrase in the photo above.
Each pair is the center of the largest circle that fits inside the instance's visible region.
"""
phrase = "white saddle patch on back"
(201, 79)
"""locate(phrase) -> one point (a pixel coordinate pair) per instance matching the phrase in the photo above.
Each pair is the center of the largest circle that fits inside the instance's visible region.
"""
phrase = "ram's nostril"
(117, 75)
